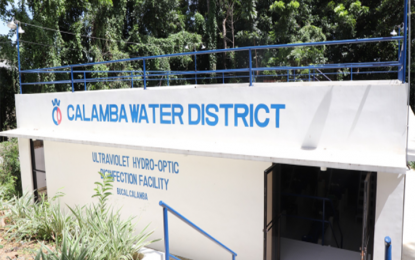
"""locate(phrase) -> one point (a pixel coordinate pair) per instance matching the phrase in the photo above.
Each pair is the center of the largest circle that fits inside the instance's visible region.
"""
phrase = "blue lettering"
(113, 113)
(259, 123)
(104, 116)
(123, 114)
(154, 106)
(83, 110)
(70, 117)
(177, 114)
(277, 108)
(226, 107)
(251, 115)
(208, 113)
(197, 121)
(134, 113)
(94, 113)
(163, 114)
(78, 113)
(242, 115)
(203, 114)
(143, 114)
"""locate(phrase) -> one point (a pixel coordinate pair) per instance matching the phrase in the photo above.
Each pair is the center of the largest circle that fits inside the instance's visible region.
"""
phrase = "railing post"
(223, 77)
(85, 80)
(132, 79)
(309, 75)
(351, 73)
(195, 69)
(324, 219)
(388, 248)
(168, 78)
(73, 89)
(18, 58)
(166, 233)
(250, 68)
(144, 73)
(295, 80)
(288, 75)
(399, 44)
(405, 28)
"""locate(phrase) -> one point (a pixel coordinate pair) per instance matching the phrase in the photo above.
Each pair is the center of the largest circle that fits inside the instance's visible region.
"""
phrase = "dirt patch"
(12, 249)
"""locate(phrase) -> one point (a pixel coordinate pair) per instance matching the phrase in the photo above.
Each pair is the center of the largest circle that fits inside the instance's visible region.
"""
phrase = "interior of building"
(318, 212)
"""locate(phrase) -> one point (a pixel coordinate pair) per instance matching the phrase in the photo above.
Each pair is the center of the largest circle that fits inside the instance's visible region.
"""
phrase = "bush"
(10, 169)
(95, 231)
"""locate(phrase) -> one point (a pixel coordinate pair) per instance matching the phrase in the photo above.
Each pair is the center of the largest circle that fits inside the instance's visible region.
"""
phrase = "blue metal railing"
(388, 248)
(323, 220)
(168, 76)
(166, 209)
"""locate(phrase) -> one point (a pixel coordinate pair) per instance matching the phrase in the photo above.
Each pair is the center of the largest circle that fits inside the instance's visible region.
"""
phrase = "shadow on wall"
(359, 110)
(316, 127)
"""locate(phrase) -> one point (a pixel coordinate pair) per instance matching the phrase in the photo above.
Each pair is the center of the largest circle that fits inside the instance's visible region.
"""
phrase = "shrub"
(96, 231)
(10, 169)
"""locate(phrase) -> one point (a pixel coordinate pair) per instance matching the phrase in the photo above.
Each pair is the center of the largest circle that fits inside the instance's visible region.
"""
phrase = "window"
(38, 169)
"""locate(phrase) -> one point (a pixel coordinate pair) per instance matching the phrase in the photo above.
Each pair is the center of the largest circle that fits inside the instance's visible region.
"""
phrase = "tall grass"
(94, 231)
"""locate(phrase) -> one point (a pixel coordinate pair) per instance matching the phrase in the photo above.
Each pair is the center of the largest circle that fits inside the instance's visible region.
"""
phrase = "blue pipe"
(73, 89)
(195, 69)
(388, 248)
(18, 59)
(166, 233)
(144, 73)
(127, 78)
(250, 68)
(405, 40)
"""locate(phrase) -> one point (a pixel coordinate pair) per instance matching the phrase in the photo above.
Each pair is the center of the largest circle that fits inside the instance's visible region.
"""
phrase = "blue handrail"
(388, 248)
(166, 209)
(145, 75)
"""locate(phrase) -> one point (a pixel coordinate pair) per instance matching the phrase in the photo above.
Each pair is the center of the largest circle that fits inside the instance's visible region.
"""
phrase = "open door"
(366, 206)
(272, 212)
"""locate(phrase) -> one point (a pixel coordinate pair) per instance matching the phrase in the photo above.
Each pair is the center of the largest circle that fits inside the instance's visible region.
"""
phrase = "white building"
(233, 159)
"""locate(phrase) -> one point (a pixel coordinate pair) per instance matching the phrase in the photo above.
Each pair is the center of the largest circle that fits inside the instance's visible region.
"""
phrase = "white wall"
(408, 252)
(389, 213)
(222, 196)
(25, 165)
(349, 125)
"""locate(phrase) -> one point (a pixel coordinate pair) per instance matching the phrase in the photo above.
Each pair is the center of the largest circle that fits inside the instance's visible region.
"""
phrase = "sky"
(3, 25)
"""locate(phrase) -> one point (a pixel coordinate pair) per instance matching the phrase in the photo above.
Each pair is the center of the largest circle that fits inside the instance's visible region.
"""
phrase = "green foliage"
(94, 231)
(103, 191)
(131, 28)
(412, 165)
(10, 177)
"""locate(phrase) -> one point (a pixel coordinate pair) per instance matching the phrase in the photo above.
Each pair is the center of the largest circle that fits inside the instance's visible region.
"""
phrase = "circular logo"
(57, 117)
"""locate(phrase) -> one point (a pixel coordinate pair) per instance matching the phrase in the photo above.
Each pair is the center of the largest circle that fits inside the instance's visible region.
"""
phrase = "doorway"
(38, 169)
(315, 214)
